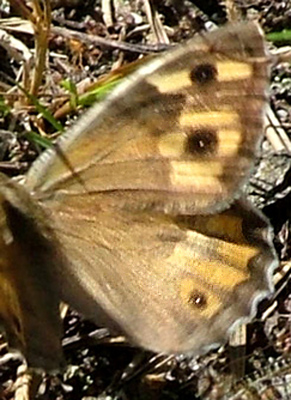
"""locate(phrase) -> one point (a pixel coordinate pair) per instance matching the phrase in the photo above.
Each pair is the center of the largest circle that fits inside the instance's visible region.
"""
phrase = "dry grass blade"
(100, 41)
(16, 24)
(107, 12)
(275, 133)
(155, 22)
(19, 51)
(27, 384)
(232, 11)
(40, 18)
(42, 22)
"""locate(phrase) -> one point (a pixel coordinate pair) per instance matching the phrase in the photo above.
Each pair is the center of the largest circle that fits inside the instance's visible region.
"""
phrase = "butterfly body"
(147, 241)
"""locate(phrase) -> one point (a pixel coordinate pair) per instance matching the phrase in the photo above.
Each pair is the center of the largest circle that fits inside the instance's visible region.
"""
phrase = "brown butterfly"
(150, 240)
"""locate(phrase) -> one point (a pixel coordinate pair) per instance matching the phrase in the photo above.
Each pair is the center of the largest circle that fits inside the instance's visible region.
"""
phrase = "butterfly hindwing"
(171, 284)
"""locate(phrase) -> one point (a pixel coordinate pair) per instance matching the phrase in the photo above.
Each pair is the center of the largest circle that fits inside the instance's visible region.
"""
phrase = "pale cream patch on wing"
(224, 117)
(187, 173)
(172, 144)
(171, 81)
(175, 81)
(233, 71)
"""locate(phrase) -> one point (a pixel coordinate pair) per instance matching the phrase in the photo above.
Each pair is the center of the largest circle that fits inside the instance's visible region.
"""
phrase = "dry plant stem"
(275, 134)
(19, 25)
(107, 12)
(27, 384)
(118, 63)
(283, 54)
(231, 11)
(155, 22)
(18, 51)
(16, 24)
(237, 342)
(41, 24)
(100, 41)
(280, 276)
(40, 19)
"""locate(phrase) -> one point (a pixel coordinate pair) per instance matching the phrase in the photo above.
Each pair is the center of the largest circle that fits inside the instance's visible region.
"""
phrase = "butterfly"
(153, 238)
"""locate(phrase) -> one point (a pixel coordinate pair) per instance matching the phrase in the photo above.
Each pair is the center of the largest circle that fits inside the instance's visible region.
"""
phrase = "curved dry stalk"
(41, 23)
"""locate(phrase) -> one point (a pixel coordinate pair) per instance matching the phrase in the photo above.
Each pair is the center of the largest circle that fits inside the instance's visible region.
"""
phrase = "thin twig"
(107, 43)
(275, 133)
(42, 32)
(155, 22)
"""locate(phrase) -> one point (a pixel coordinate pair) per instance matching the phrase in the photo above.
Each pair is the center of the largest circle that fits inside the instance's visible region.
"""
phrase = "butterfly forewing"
(178, 135)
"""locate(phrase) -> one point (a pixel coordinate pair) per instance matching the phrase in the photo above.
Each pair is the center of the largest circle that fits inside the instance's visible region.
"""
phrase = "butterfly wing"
(170, 284)
(177, 138)
(29, 301)
(178, 135)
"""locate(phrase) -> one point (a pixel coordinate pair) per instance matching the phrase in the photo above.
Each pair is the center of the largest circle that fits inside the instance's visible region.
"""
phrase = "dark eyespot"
(203, 73)
(201, 142)
(197, 299)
